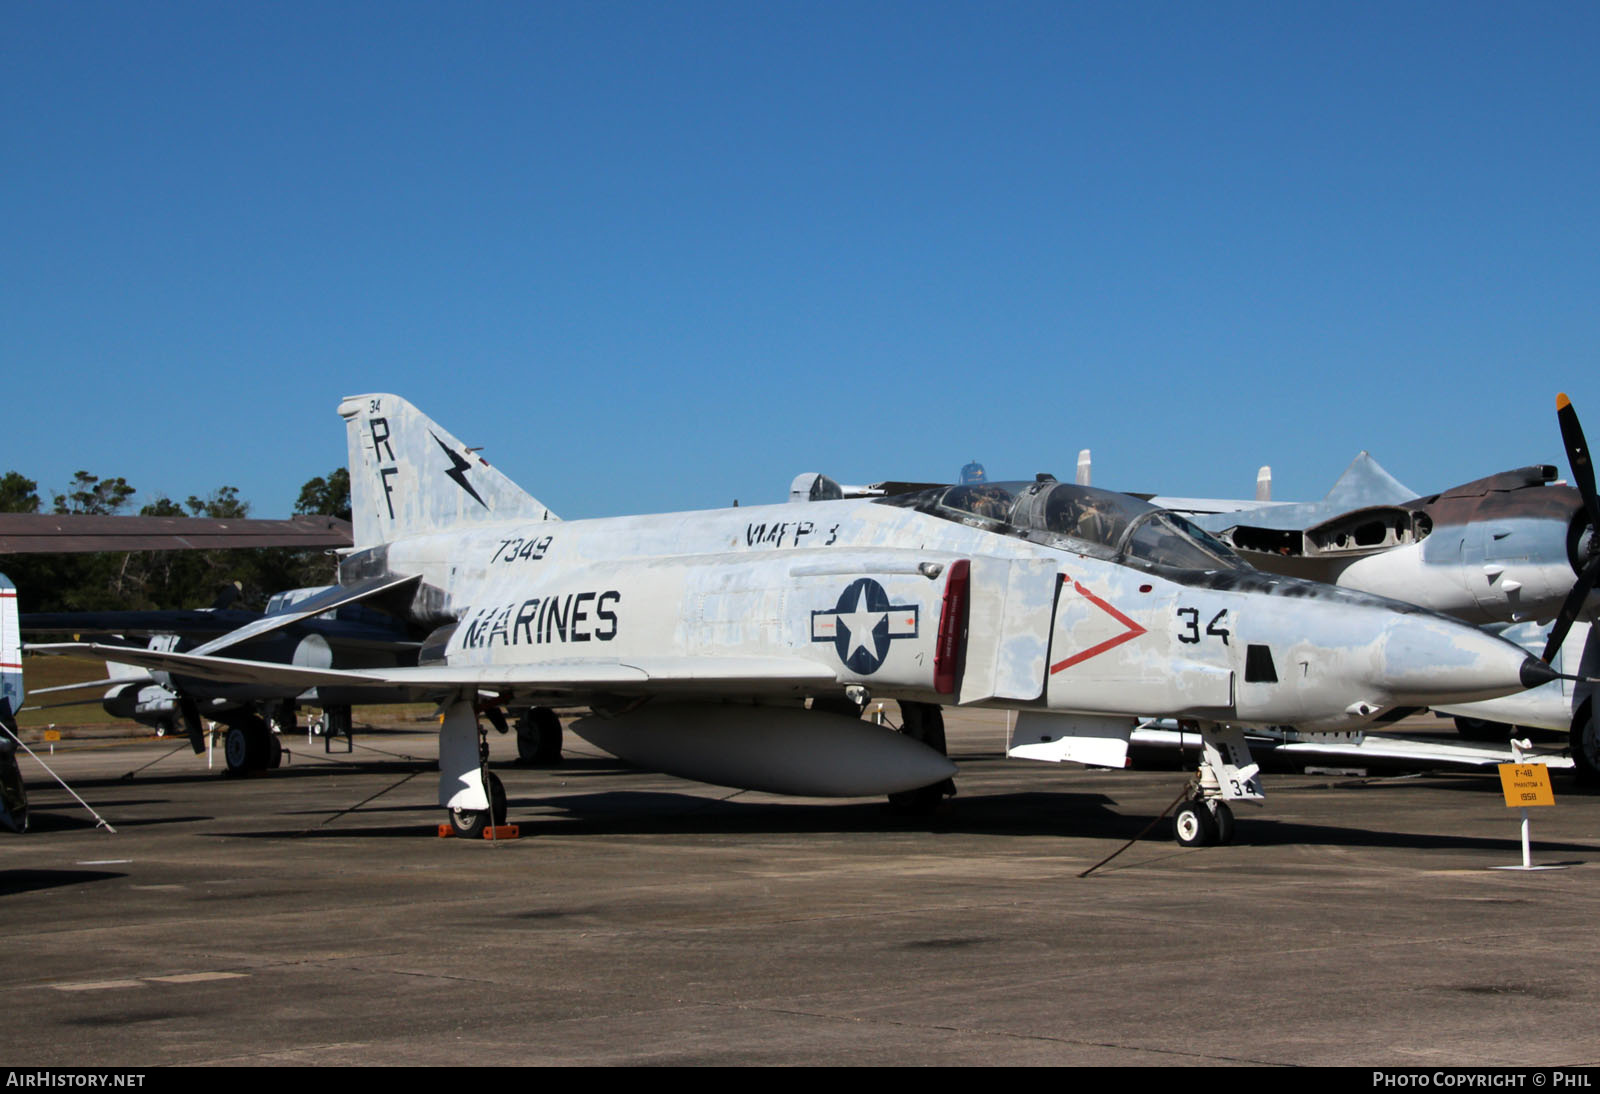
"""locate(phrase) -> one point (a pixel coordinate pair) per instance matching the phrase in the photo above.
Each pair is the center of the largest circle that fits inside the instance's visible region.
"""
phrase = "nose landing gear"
(1226, 774)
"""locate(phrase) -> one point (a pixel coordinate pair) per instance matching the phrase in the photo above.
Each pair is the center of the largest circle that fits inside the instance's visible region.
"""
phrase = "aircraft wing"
(1292, 751)
(109, 681)
(749, 675)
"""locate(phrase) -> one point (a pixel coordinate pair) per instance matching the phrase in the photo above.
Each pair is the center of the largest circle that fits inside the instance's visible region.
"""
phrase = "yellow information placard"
(52, 735)
(1526, 784)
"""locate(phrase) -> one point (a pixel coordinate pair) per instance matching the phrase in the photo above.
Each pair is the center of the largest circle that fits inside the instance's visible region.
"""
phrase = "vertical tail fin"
(409, 476)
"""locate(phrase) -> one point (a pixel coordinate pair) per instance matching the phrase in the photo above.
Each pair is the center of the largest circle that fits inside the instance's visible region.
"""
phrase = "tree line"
(133, 580)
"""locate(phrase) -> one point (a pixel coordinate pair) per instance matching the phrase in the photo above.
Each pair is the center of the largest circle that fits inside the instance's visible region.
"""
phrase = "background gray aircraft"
(1511, 548)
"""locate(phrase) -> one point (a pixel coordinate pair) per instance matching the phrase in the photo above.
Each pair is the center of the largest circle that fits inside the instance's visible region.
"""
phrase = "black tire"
(1223, 815)
(497, 798)
(1585, 744)
(923, 722)
(165, 728)
(471, 823)
(1193, 825)
(539, 738)
(274, 752)
(239, 750)
(13, 791)
(1477, 729)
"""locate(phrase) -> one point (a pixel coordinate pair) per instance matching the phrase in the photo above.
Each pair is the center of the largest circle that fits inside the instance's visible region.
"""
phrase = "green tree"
(93, 496)
(30, 573)
(284, 568)
(163, 506)
(329, 497)
(68, 582)
(220, 504)
(19, 495)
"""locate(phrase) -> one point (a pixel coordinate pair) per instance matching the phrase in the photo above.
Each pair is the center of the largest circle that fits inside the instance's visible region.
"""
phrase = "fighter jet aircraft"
(737, 646)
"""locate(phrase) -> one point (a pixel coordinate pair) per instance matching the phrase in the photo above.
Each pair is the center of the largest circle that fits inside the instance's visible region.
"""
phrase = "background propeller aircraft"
(1565, 705)
(737, 646)
(1511, 548)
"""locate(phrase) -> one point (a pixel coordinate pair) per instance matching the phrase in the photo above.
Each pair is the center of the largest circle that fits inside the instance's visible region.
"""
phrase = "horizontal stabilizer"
(336, 597)
(110, 681)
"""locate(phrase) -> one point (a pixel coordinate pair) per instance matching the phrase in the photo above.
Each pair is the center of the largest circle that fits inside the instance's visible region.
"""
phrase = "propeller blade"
(1570, 607)
(1578, 456)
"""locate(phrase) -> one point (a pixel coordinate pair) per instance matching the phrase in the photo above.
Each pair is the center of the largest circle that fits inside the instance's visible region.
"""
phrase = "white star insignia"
(860, 624)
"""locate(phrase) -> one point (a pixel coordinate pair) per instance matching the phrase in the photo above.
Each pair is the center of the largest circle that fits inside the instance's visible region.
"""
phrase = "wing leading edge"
(746, 675)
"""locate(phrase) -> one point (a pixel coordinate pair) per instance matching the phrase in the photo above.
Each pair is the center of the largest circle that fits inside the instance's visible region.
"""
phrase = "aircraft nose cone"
(1426, 660)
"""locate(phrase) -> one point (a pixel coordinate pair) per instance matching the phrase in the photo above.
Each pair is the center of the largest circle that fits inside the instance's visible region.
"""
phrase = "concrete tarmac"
(311, 916)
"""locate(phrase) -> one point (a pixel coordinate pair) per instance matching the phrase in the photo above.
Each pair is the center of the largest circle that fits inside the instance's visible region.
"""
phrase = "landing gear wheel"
(1477, 729)
(1193, 825)
(164, 727)
(274, 752)
(470, 823)
(539, 737)
(497, 798)
(236, 749)
(243, 749)
(1224, 818)
(923, 722)
(250, 746)
(1585, 741)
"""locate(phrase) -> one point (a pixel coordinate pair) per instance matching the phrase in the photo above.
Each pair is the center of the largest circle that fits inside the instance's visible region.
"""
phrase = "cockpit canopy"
(1078, 518)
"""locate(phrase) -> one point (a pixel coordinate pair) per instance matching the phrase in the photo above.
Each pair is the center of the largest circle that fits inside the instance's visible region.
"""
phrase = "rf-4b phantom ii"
(739, 646)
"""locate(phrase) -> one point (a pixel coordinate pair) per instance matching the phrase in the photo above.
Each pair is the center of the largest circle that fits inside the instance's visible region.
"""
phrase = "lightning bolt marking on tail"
(458, 469)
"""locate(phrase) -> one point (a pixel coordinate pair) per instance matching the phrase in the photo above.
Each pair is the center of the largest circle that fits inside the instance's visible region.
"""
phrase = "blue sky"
(660, 256)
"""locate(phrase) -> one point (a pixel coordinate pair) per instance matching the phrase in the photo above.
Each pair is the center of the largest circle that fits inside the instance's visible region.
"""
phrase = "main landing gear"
(471, 794)
(1226, 774)
(923, 722)
(1585, 741)
(249, 744)
(538, 738)
(471, 823)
